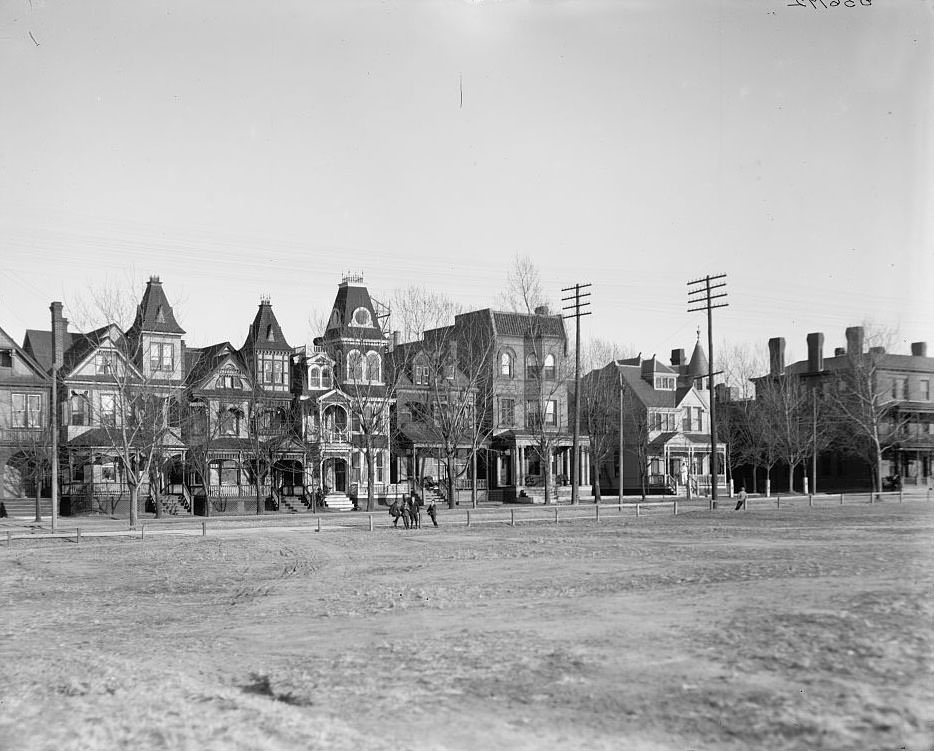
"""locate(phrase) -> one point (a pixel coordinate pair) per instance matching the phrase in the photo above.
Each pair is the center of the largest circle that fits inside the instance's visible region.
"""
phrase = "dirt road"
(780, 629)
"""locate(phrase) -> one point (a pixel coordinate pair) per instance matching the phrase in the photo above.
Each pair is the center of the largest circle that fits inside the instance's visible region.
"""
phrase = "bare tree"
(524, 290)
(865, 399)
(32, 458)
(416, 310)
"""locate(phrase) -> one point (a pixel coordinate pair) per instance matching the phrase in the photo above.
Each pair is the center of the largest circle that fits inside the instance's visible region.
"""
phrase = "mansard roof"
(154, 314)
(351, 296)
(264, 333)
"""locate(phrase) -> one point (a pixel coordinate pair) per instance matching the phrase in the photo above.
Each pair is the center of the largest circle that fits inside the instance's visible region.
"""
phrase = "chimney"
(396, 339)
(541, 310)
(839, 351)
(59, 327)
(815, 352)
(677, 358)
(919, 349)
(854, 340)
(722, 393)
(877, 350)
(776, 355)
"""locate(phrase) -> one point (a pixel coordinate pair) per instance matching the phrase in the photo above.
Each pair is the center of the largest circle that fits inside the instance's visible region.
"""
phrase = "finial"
(154, 279)
(265, 300)
(698, 334)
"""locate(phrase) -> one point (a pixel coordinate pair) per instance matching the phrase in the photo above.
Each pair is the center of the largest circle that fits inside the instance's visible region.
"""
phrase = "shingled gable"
(264, 334)
(7, 342)
(352, 296)
(154, 314)
(206, 361)
(78, 347)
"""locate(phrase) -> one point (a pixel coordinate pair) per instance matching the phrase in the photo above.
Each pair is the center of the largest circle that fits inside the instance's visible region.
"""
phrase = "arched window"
(532, 369)
(325, 377)
(314, 377)
(373, 366)
(354, 365)
(505, 364)
(361, 317)
(549, 369)
(335, 318)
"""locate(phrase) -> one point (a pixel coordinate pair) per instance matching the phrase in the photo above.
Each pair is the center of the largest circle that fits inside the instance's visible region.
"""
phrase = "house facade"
(658, 431)
(25, 390)
(862, 389)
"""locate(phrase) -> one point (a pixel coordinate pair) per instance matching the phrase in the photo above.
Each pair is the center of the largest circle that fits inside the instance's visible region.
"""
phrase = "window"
(361, 317)
(549, 369)
(6, 358)
(532, 414)
(230, 421)
(325, 377)
(664, 421)
(272, 368)
(104, 362)
(379, 466)
(27, 410)
(421, 375)
(924, 387)
(532, 369)
(505, 364)
(551, 412)
(899, 388)
(229, 382)
(507, 412)
(665, 383)
(80, 409)
(373, 366)
(354, 365)
(161, 357)
(314, 377)
(108, 414)
(698, 419)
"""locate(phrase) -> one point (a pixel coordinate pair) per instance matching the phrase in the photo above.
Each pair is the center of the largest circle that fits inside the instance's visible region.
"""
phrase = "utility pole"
(814, 438)
(575, 305)
(701, 296)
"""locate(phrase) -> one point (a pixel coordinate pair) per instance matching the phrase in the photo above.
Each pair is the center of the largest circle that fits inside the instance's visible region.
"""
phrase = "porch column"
(520, 469)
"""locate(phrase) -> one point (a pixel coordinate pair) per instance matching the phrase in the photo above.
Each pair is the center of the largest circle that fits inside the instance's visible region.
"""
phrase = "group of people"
(409, 509)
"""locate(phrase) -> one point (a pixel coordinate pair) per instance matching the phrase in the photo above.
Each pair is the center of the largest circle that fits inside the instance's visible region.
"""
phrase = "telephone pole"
(575, 306)
(702, 294)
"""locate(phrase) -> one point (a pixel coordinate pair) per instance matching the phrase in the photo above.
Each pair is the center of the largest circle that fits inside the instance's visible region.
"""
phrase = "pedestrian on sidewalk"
(741, 503)
(433, 512)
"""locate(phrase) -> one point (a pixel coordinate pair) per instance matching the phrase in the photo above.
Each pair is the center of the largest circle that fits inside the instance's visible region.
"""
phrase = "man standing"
(433, 512)
(741, 503)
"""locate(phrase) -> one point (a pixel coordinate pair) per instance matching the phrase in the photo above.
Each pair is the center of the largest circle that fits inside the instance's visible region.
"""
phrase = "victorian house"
(25, 389)
(522, 402)
(345, 399)
(244, 442)
(119, 406)
(658, 427)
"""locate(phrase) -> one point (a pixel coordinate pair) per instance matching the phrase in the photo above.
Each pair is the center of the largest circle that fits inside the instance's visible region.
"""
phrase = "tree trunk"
(791, 477)
(449, 467)
(473, 479)
(879, 468)
(596, 487)
(370, 479)
(134, 508)
(768, 483)
(548, 479)
(39, 501)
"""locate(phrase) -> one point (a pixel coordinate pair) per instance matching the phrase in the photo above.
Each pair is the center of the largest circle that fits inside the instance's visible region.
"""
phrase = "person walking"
(741, 503)
(432, 511)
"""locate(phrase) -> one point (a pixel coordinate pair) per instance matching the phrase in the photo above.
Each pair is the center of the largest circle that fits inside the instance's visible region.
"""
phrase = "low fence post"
(675, 504)
(778, 500)
(810, 500)
(468, 517)
(900, 498)
(9, 538)
(556, 514)
(318, 527)
(841, 499)
(638, 509)
(370, 521)
(597, 510)
(204, 529)
(142, 531)
(512, 517)
(77, 534)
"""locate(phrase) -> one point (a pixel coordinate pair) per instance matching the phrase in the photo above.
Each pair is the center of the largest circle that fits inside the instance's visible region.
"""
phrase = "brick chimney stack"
(919, 349)
(677, 358)
(776, 355)
(854, 340)
(815, 352)
(59, 328)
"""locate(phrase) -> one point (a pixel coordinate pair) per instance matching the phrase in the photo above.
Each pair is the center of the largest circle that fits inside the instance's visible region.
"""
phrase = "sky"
(240, 148)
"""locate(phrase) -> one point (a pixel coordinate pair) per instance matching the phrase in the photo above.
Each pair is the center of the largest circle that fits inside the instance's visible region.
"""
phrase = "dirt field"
(775, 629)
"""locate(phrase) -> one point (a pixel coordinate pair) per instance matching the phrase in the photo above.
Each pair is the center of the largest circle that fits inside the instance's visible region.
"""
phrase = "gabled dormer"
(658, 375)
(155, 337)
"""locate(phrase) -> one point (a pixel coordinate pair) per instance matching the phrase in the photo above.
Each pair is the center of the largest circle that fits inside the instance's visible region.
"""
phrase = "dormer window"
(335, 318)
(160, 315)
(665, 383)
(161, 357)
(325, 377)
(361, 317)
(270, 334)
(314, 377)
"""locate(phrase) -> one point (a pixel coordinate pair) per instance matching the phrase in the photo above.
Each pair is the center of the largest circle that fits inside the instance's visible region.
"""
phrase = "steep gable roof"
(207, 360)
(264, 333)
(154, 314)
(7, 342)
